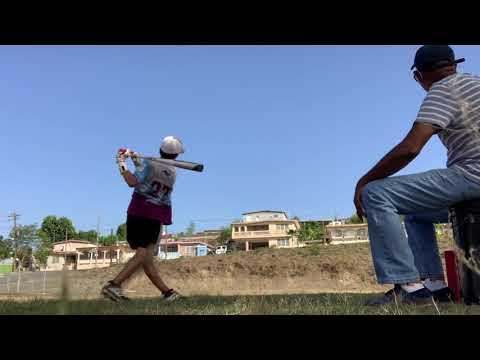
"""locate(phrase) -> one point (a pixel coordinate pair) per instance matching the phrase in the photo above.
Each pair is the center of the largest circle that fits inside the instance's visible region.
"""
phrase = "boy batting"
(149, 209)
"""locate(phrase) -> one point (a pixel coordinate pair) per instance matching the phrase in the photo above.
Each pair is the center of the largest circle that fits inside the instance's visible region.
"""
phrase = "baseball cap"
(431, 57)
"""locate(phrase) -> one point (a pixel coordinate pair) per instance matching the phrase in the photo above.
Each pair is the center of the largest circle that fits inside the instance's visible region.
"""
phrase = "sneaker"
(172, 295)
(400, 296)
(113, 292)
(443, 295)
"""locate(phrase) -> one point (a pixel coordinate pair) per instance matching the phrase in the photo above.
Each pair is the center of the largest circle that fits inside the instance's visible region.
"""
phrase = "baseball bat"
(177, 163)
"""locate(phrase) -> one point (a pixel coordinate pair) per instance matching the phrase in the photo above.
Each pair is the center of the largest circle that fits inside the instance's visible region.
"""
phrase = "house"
(102, 256)
(264, 229)
(175, 249)
(208, 236)
(340, 233)
(65, 254)
(80, 254)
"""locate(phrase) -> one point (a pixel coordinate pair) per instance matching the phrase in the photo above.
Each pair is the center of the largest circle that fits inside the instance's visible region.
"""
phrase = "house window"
(172, 248)
(236, 228)
(55, 260)
(338, 233)
(283, 227)
(85, 256)
(350, 233)
(283, 242)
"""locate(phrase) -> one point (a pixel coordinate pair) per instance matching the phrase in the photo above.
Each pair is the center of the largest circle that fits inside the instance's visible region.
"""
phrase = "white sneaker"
(172, 295)
(113, 292)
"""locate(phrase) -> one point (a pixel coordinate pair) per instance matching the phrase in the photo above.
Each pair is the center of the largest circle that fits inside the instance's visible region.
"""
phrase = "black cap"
(431, 57)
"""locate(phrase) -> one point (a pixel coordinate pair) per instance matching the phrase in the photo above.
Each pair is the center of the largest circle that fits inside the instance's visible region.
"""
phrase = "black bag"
(465, 218)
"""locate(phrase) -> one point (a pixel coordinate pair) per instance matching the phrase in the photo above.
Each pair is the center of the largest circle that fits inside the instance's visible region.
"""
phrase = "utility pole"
(65, 249)
(14, 216)
(98, 230)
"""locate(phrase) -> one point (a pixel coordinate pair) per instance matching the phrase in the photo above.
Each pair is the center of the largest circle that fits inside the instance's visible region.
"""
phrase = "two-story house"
(264, 229)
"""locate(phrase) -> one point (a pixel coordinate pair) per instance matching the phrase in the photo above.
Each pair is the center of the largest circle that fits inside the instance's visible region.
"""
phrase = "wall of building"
(55, 262)
(347, 233)
(169, 255)
(71, 246)
(264, 216)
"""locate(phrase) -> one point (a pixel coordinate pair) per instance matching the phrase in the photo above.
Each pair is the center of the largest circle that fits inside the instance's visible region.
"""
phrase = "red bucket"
(453, 277)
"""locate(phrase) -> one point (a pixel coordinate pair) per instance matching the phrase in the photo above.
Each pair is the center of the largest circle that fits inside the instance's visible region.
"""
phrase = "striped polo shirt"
(453, 105)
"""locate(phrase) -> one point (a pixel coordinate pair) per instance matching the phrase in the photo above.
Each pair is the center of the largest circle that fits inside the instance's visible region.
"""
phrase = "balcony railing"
(254, 234)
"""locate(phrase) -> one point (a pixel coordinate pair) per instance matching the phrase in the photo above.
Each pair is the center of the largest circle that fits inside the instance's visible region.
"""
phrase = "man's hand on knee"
(357, 199)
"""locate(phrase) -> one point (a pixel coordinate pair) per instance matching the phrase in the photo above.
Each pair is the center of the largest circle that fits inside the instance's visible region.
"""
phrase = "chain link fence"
(31, 283)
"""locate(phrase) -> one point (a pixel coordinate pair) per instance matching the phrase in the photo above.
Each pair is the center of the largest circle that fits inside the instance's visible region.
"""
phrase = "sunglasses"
(417, 76)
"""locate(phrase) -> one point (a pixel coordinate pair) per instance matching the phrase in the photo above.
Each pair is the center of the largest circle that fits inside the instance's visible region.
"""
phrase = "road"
(27, 282)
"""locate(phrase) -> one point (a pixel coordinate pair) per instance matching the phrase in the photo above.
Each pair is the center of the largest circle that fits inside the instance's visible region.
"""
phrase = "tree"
(5, 248)
(190, 229)
(56, 228)
(42, 253)
(122, 232)
(24, 239)
(90, 235)
(310, 231)
(107, 240)
(225, 235)
(354, 219)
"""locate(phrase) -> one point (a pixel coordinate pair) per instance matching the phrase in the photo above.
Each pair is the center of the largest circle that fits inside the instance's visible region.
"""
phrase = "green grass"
(321, 304)
(5, 269)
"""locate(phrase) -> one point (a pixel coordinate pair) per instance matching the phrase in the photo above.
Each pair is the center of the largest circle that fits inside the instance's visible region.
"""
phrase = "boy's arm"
(129, 178)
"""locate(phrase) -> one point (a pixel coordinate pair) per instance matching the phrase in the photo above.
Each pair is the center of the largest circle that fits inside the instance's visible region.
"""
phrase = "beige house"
(340, 233)
(264, 229)
(65, 254)
(103, 256)
(79, 254)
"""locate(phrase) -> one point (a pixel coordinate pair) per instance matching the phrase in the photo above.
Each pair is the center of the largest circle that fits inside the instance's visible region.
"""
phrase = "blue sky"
(278, 127)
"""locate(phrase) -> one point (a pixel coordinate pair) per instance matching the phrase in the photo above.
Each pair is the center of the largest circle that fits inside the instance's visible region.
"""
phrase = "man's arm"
(402, 154)
(399, 157)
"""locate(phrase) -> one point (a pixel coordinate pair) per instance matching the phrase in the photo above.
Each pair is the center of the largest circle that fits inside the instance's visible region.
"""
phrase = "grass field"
(321, 304)
(5, 269)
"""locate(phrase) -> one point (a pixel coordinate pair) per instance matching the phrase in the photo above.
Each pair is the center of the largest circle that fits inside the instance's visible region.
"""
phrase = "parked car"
(220, 250)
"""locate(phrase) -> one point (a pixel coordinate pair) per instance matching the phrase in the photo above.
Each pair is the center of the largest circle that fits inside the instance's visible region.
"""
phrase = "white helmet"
(172, 146)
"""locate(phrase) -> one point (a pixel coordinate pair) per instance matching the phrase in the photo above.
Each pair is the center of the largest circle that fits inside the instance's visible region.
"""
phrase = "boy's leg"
(383, 201)
(151, 271)
(132, 265)
(423, 242)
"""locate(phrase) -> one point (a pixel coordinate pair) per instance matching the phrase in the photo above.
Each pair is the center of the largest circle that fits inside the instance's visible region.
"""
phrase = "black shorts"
(142, 232)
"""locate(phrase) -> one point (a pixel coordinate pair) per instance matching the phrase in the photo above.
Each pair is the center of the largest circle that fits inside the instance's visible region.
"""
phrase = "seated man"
(451, 109)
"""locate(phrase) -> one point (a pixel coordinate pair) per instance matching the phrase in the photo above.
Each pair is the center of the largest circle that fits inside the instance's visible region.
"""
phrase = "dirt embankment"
(340, 268)
(332, 268)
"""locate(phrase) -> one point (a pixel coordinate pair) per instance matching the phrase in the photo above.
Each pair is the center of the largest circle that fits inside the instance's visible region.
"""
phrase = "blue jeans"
(424, 200)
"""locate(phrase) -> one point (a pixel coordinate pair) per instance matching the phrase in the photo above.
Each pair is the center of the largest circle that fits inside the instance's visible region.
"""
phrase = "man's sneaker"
(400, 296)
(443, 295)
(172, 295)
(114, 292)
